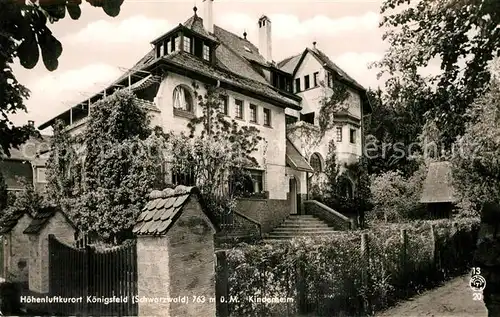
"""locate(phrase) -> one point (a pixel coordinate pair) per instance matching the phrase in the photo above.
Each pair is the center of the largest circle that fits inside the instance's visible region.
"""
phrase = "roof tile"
(162, 210)
(180, 200)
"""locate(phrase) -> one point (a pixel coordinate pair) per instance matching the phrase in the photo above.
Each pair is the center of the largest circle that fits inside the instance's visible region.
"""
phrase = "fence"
(101, 274)
(351, 273)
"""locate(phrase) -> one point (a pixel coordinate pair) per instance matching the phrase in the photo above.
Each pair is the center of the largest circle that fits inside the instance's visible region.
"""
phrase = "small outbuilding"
(438, 192)
(176, 256)
(15, 245)
(47, 221)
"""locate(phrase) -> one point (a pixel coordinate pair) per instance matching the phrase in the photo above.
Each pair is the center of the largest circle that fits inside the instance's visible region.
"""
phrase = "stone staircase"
(297, 226)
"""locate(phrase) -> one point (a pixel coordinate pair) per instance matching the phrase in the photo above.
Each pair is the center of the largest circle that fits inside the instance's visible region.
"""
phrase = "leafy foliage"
(28, 199)
(330, 188)
(331, 104)
(215, 153)
(24, 33)
(463, 34)
(394, 125)
(103, 176)
(476, 169)
(325, 274)
(396, 197)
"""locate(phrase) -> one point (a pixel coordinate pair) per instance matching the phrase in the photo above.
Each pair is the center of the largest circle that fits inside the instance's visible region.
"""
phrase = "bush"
(396, 197)
(326, 276)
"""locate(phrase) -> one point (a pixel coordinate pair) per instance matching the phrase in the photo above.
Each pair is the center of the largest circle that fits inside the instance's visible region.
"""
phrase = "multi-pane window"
(177, 43)
(267, 117)
(183, 99)
(159, 50)
(315, 162)
(168, 47)
(253, 113)
(306, 82)
(206, 52)
(297, 85)
(187, 44)
(330, 79)
(353, 136)
(316, 82)
(224, 105)
(239, 108)
(339, 134)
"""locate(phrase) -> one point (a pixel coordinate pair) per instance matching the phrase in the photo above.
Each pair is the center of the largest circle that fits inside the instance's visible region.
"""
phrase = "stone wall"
(153, 274)
(180, 264)
(39, 251)
(268, 212)
(332, 217)
(16, 252)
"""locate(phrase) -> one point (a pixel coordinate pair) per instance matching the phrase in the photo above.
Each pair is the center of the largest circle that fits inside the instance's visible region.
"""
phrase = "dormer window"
(169, 47)
(206, 52)
(187, 44)
(177, 43)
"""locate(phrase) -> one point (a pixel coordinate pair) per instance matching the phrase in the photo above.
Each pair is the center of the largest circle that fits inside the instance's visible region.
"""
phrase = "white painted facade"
(347, 151)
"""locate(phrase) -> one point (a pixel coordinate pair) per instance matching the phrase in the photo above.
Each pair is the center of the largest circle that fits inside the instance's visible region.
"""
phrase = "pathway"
(452, 299)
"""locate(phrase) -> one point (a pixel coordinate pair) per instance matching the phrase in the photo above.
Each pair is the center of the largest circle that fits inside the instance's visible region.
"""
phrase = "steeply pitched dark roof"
(10, 220)
(42, 217)
(188, 61)
(438, 186)
(290, 65)
(195, 24)
(295, 159)
(162, 210)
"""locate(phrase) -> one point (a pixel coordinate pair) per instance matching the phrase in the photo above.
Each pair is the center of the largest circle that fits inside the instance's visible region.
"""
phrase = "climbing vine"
(216, 152)
(332, 104)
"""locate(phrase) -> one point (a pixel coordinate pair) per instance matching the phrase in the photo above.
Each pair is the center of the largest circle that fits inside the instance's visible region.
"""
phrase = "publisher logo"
(477, 283)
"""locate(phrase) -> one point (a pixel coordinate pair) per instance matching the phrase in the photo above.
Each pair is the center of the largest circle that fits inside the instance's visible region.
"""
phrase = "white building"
(274, 97)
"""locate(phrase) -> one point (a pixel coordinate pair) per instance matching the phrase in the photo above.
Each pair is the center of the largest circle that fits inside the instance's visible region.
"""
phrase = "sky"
(97, 48)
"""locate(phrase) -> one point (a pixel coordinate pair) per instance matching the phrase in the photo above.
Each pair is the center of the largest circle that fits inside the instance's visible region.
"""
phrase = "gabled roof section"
(163, 209)
(295, 159)
(195, 24)
(289, 64)
(189, 62)
(438, 186)
(239, 45)
(10, 220)
(42, 217)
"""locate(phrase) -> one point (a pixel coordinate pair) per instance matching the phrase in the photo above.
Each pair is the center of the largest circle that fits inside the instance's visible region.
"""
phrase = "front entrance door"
(293, 196)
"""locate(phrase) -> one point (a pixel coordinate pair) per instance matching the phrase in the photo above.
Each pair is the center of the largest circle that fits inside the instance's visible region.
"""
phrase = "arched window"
(315, 162)
(346, 187)
(183, 100)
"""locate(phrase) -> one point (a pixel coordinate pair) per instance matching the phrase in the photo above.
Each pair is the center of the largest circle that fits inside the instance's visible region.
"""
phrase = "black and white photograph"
(233, 158)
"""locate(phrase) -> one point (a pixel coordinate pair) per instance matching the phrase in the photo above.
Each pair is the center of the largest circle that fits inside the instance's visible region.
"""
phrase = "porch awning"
(295, 159)
(145, 82)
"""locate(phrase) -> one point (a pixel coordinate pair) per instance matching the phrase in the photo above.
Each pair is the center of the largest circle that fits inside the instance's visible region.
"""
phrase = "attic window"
(247, 49)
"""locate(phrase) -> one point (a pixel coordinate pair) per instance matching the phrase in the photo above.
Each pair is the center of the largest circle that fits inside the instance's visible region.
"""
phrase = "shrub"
(324, 275)
(397, 197)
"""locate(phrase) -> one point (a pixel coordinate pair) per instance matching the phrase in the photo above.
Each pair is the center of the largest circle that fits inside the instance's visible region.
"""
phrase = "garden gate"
(95, 276)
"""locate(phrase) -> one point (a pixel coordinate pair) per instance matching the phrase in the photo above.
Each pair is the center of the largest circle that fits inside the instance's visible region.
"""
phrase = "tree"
(215, 153)
(23, 34)
(28, 199)
(3, 193)
(464, 34)
(476, 168)
(113, 165)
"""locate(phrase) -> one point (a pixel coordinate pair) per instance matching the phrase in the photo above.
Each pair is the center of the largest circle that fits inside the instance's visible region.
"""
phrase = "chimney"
(265, 44)
(208, 19)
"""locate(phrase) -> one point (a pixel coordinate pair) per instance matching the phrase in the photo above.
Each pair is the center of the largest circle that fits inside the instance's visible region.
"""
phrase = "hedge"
(350, 273)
